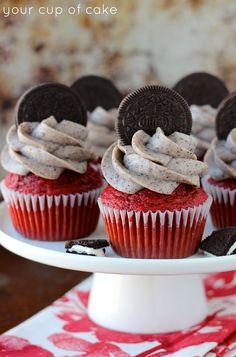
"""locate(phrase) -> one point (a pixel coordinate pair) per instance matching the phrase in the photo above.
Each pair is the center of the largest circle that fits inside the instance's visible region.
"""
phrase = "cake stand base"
(147, 304)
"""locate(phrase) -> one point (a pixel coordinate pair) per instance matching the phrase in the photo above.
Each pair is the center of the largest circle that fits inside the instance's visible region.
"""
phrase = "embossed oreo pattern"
(50, 99)
(96, 92)
(150, 107)
(226, 117)
(202, 88)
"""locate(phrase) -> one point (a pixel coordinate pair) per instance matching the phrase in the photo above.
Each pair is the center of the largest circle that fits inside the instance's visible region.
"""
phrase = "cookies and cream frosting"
(221, 157)
(47, 148)
(203, 128)
(159, 163)
(101, 129)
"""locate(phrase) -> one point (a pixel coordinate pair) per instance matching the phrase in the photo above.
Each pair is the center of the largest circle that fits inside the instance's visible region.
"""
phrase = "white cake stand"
(130, 295)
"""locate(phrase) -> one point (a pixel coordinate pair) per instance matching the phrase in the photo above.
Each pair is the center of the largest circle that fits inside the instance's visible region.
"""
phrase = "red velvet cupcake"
(221, 159)
(223, 209)
(154, 206)
(52, 186)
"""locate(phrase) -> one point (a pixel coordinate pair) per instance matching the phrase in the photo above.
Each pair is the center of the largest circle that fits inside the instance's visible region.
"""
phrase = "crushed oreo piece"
(220, 242)
(226, 117)
(49, 99)
(92, 247)
(201, 88)
(96, 91)
(150, 107)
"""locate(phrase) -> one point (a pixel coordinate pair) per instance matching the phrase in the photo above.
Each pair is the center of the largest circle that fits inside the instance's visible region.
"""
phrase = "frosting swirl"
(47, 148)
(101, 129)
(221, 157)
(203, 128)
(159, 163)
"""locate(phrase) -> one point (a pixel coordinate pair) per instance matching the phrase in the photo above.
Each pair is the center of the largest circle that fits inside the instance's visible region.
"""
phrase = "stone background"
(152, 41)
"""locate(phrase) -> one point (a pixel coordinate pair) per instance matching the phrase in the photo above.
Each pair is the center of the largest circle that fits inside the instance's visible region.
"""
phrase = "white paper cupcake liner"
(53, 217)
(223, 210)
(158, 234)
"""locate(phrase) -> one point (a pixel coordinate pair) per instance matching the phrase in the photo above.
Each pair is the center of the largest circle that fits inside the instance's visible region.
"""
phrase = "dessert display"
(101, 99)
(203, 92)
(221, 159)
(52, 185)
(154, 206)
(92, 247)
(220, 242)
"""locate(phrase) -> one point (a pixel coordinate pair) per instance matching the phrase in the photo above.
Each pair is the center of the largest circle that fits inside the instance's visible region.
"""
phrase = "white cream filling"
(86, 250)
(231, 249)
(209, 254)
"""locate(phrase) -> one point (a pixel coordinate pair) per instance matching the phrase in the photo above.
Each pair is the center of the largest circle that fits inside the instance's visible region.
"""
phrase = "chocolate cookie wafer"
(202, 88)
(96, 91)
(150, 107)
(50, 99)
(226, 116)
(220, 242)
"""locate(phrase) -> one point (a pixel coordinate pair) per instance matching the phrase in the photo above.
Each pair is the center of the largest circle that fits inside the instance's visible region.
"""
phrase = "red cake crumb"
(69, 182)
(231, 184)
(184, 196)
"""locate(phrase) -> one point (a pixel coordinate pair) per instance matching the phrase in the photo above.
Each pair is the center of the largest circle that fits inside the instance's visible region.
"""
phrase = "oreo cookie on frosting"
(96, 91)
(201, 88)
(150, 107)
(226, 116)
(92, 247)
(50, 99)
(221, 242)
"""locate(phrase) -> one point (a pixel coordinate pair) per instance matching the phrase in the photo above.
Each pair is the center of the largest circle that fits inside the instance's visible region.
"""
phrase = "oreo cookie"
(93, 247)
(96, 91)
(226, 116)
(221, 242)
(150, 107)
(48, 99)
(202, 88)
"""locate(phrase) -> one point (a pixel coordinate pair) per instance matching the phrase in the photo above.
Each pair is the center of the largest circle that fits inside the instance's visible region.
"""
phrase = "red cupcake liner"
(162, 235)
(223, 209)
(53, 218)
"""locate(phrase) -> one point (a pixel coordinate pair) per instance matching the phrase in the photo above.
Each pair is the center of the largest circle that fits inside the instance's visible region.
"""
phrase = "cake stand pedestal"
(147, 304)
(130, 295)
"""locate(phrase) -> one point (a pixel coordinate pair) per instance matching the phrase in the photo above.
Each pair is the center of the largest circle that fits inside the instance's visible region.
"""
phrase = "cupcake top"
(203, 126)
(154, 149)
(203, 92)
(48, 146)
(101, 129)
(221, 156)
(101, 99)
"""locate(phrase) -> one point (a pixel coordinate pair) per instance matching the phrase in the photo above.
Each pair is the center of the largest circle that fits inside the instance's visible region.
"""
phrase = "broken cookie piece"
(220, 242)
(93, 247)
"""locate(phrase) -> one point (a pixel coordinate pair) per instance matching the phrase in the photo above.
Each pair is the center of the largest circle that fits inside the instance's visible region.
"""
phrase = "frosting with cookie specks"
(203, 128)
(159, 163)
(101, 129)
(47, 148)
(221, 158)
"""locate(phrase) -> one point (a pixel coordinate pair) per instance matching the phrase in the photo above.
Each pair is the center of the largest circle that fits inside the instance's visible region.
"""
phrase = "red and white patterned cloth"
(64, 329)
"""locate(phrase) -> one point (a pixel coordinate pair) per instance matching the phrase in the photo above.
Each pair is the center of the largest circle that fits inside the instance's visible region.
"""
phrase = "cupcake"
(101, 99)
(203, 92)
(52, 185)
(221, 159)
(154, 206)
